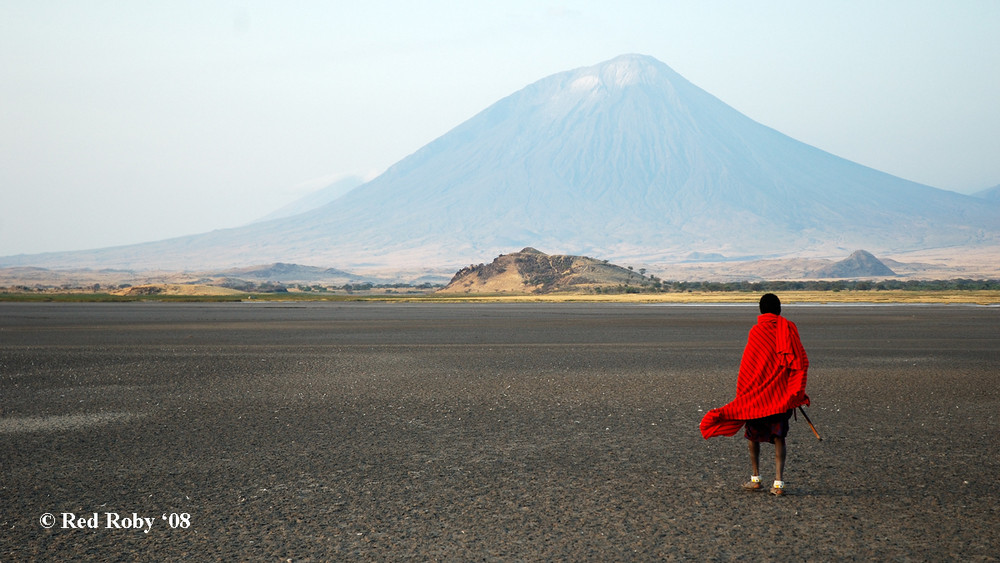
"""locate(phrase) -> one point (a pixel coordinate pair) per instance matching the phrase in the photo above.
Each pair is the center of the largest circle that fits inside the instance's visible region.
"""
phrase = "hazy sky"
(124, 122)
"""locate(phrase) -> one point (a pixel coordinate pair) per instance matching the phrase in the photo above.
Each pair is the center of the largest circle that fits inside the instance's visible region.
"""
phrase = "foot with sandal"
(755, 484)
(778, 439)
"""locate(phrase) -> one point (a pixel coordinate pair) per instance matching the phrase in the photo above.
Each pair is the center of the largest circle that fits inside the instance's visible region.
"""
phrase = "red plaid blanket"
(772, 377)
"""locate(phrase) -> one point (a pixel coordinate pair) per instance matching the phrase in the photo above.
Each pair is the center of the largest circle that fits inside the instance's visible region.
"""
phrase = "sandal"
(778, 488)
(753, 484)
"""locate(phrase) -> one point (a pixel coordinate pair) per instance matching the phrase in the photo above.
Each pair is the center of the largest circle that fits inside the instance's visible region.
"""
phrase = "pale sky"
(126, 122)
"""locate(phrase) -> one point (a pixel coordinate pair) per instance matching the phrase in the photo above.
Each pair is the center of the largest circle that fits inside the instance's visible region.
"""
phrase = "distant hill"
(291, 273)
(860, 264)
(991, 194)
(532, 271)
(134, 282)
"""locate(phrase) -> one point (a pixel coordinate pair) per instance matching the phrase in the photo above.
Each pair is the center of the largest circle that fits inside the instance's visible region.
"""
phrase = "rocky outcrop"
(532, 271)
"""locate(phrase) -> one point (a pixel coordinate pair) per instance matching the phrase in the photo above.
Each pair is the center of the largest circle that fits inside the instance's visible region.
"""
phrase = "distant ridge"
(989, 194)
(624, 160)
(532, 271)
(291, 273)
(860, 264)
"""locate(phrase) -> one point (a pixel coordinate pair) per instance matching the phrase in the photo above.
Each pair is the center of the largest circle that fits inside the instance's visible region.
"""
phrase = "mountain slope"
(624, 160)
(318, 198)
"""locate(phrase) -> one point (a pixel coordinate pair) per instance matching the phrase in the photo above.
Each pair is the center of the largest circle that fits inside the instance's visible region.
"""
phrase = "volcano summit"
(624, 160)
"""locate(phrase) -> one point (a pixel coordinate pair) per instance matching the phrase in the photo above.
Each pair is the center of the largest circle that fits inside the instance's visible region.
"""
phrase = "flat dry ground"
(488, 432)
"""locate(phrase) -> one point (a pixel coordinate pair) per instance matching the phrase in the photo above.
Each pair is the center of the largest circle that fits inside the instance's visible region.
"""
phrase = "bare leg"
(754, 456)
(779, 458)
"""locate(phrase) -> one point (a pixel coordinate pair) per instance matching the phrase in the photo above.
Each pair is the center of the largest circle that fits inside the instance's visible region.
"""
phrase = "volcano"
(625, 160)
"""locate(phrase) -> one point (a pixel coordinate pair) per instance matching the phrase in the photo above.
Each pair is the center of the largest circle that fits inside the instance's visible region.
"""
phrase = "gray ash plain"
(488, 432)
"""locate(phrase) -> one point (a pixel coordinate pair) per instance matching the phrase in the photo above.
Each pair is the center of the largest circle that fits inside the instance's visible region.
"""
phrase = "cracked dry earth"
(487, 432)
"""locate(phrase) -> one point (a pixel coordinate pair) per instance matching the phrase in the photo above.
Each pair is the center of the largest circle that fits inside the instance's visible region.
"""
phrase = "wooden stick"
(810, 423)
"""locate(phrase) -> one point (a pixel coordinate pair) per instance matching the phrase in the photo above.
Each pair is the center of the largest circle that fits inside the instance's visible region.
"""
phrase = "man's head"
(769, 303)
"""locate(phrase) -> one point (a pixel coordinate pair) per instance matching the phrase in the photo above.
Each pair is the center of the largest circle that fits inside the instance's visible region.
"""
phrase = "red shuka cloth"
(772, 377)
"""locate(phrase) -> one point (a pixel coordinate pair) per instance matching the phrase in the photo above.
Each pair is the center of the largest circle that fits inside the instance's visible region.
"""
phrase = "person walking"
(770, 385)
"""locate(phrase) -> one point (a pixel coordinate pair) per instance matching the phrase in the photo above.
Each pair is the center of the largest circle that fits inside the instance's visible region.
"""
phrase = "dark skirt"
(768, 428)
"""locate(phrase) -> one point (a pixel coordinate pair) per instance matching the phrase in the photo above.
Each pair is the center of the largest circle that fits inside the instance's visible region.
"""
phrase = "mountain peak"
(619, 73)
(627, 70)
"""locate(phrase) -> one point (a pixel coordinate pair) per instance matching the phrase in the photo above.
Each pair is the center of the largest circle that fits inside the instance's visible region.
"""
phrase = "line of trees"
(660, 286)
(368, 286)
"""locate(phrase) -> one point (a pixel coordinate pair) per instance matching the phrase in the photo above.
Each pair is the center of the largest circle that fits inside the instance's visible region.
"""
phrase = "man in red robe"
(771, 384)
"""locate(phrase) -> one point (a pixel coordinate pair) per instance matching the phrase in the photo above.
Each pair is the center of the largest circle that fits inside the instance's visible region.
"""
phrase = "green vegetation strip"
(969, 296)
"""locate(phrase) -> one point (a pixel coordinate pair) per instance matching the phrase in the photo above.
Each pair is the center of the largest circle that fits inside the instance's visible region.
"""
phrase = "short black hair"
(769, 303)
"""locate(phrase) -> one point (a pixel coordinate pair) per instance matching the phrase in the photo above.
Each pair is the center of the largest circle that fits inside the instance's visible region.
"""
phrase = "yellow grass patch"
(155, 289)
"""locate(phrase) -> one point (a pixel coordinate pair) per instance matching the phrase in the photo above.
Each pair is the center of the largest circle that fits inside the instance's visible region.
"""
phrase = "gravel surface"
(486, 432)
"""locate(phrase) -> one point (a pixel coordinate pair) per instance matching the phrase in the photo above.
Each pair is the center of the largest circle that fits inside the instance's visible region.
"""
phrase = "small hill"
(532, 271)
(860, 264)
